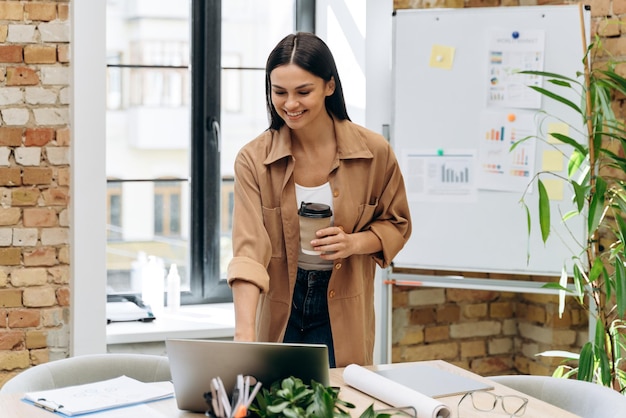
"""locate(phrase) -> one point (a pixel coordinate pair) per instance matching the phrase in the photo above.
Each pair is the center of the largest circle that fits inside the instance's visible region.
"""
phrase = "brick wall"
(488, 332)
(34, 183)
(495, 333)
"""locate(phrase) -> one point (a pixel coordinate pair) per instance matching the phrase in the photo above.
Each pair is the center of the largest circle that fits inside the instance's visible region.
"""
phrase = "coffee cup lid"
(315, 210)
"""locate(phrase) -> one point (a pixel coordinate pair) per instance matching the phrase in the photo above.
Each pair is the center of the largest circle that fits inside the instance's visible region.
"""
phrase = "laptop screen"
(193, 363)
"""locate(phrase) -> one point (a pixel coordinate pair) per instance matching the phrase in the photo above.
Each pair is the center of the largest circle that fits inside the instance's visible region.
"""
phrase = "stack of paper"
(99, 396)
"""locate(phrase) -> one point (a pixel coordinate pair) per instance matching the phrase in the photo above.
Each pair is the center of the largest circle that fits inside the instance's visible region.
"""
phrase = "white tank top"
(317, 194)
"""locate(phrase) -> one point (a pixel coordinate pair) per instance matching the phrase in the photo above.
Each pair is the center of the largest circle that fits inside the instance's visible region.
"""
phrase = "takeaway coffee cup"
(313, 217)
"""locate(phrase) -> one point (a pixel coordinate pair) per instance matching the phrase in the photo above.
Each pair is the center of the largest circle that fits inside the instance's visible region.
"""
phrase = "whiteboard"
(466, 214)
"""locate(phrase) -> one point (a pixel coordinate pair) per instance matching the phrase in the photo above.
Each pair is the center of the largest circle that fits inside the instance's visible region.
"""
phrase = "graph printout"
(499, 167)
(509, 53)
(440, 175)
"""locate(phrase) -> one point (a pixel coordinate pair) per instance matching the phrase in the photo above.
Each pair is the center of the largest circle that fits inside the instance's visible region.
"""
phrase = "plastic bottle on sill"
(173, 288)
(138, 273)
(153, 285)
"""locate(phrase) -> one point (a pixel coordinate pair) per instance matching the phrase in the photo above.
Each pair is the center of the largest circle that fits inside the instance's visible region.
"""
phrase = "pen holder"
(220, 405)
(211, 412)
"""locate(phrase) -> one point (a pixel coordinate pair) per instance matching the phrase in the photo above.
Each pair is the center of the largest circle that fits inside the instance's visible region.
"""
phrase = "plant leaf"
(559, 353)
(278, 408)
(569, 141)
(555, 286)
(560, 83)
(368, 413)
(579, 282)
(550, 75)
(544, 211)
(596, 269)
(575, 161)
(596, 206)
(585, 363)
(620, 287)
(620, 82)
(558, 98)
(602, 359)
(563, 284)
(520, 141)
(580, 194)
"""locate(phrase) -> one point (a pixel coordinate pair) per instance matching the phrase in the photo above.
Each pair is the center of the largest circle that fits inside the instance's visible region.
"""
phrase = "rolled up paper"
(393, 393)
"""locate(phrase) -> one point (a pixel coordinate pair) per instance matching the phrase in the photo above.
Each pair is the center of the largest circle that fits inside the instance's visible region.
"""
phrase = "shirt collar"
(350, 143)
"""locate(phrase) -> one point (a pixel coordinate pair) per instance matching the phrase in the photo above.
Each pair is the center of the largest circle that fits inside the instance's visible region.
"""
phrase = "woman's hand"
(335, 243)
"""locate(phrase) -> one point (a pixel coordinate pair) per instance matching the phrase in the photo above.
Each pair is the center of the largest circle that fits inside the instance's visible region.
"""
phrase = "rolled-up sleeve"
(252, 248)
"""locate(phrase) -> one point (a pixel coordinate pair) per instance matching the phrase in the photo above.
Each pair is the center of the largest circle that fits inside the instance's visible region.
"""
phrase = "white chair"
(585, 399)
(88, 369)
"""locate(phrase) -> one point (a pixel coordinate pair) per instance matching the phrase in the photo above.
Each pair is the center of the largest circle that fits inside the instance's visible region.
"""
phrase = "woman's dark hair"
(310, 53)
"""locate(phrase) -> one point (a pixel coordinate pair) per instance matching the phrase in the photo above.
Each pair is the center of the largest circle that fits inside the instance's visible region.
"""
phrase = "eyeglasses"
(485, 401)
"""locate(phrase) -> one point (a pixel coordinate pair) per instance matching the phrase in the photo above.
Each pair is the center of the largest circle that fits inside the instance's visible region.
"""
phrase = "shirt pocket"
(273, 222)
(366, 216)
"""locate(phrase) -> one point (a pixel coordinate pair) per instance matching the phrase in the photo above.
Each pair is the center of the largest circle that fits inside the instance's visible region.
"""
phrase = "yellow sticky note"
(554, 188)
(558, 128)
(442, 56)
(552, 161)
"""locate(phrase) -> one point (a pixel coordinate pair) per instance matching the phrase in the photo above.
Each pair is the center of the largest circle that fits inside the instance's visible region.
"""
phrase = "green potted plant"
(292, 398)
(597, 176)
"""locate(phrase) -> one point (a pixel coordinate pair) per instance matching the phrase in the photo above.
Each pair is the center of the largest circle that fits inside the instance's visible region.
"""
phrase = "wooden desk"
(12, 406)
(534, 409)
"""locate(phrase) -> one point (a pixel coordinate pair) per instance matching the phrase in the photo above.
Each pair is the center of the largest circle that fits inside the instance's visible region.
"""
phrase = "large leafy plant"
(597, 175)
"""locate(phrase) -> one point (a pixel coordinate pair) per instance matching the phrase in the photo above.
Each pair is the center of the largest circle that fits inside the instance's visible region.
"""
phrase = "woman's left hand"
(335, 243)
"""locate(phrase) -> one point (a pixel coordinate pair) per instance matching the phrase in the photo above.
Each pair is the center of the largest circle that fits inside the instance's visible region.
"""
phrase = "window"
(114, 211)
(183, 96)
(167, 208)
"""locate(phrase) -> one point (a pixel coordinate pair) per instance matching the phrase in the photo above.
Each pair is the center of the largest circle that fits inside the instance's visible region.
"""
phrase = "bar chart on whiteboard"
(502, 167)
(439, 175)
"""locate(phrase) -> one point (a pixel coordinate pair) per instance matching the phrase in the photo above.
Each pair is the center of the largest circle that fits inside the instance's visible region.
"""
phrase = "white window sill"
(190, 321)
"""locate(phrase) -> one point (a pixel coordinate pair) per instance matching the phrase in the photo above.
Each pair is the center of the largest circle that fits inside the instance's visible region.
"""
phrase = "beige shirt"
(368, 194)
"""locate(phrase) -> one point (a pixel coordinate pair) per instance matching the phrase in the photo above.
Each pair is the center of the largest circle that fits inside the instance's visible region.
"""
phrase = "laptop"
(193, 363)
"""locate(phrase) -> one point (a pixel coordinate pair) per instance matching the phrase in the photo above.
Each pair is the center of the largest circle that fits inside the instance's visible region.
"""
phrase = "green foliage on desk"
(292, 398)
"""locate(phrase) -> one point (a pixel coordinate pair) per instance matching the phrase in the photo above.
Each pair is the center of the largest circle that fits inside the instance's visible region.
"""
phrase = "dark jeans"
(309, 321)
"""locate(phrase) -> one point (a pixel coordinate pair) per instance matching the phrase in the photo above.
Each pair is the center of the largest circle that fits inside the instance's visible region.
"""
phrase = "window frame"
(206, 283)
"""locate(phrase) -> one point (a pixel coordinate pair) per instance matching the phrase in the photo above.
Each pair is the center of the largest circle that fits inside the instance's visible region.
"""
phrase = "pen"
(246, 389)
(235, 398)
(225, 404)
(253, 394)
(215, 398)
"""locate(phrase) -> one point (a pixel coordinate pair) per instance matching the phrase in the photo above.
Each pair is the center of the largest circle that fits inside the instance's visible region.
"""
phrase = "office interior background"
(100, 171)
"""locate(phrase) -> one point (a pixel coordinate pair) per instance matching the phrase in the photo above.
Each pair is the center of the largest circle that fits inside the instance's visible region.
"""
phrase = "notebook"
(432, 381)
(193, 363)
(108, 394)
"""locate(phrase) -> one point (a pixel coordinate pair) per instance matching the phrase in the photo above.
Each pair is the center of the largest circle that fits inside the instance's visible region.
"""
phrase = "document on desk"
(432, 381)
(392, 387)
(99, 396)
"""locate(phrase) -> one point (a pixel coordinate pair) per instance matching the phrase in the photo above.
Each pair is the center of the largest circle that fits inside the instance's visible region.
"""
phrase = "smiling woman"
(312, 152)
